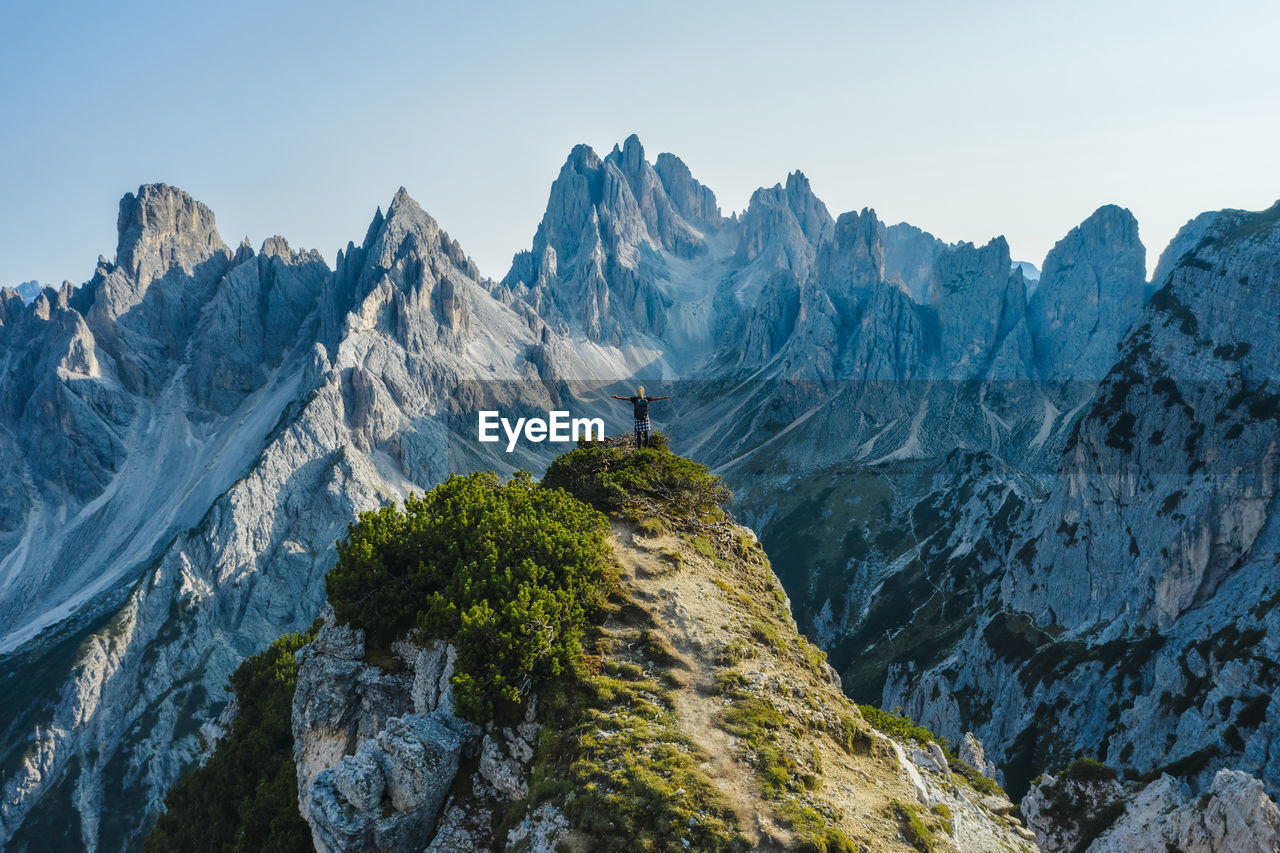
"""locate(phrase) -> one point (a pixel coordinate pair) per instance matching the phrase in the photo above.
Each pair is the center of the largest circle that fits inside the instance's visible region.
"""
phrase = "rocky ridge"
(379, 753)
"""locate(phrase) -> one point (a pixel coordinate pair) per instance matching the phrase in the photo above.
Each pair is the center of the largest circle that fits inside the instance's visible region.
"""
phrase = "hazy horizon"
(968, 121)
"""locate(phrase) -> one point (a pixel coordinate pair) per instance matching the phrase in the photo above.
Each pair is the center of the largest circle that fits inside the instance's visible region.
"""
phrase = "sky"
(968, 119)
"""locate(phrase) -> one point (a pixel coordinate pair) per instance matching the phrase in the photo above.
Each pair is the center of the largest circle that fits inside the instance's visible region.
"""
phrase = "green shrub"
(702, 545)
(729, 681)
(755, 721)
(651, 526)
(245, 797)
(974, 777)
(899, 727)
(752, 718)
(814, 657)
(736, 651)
(1087, 770)
(619, 481)
(510, 573)
(943, 811)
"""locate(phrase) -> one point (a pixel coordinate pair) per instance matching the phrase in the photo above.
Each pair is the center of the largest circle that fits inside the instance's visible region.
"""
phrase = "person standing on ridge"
(640, 408)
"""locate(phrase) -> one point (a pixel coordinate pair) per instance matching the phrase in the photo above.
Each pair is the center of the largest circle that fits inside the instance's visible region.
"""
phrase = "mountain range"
(1043, 514)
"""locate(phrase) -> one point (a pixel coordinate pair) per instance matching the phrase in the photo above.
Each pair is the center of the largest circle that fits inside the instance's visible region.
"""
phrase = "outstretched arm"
(668, 397)
(616, 397)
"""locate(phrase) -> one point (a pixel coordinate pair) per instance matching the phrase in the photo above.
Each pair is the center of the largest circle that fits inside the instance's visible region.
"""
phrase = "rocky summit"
(1036, 516)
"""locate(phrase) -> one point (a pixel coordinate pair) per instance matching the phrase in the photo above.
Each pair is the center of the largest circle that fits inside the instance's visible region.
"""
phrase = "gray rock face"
(409, 766)
(784, 225)
(909, 256)
(376, 753)
(972, 753)
(1169, 382)
(978, 304)
(852, 260)
(598, 252)
(693, 201)
(853, 325)
(1186, 240)
(541, 830)
(260, 312)
(1060, 811)
(1235, 814)
(1134, 600)
(169, 259)
(28, 291)
(1089, 293)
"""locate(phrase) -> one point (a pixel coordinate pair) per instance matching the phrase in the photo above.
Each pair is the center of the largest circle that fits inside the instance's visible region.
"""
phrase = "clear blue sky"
(969, 119)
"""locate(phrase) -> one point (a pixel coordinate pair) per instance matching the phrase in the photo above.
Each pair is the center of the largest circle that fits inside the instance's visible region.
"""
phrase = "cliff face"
(597, 259)
(1132, 602)
(1085, 811)
(1089, 292)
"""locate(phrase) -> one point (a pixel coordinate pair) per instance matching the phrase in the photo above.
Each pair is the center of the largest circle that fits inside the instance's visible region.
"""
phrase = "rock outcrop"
(909, 256)
(597, 260)
(1235, 815)
(1090, 291)
(376, 753)
(28, 291)
(1103, 816)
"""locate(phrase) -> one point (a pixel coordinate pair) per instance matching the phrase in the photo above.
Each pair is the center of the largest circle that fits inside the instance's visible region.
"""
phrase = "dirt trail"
(692, 614)
(700, 617)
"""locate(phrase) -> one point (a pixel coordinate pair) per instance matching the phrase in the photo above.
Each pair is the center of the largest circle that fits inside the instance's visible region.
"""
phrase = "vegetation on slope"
(779, 739)
(245, 798)
(906, 730)
(648, 482)
(1083, 801)
(615, 760)
(510, 573)
(613, 755)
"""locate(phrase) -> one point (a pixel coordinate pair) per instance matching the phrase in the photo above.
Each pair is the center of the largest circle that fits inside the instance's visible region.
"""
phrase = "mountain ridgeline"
(1041, 512)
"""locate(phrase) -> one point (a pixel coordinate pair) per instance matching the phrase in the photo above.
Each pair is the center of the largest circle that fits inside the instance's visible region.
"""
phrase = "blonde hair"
(640, 391)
